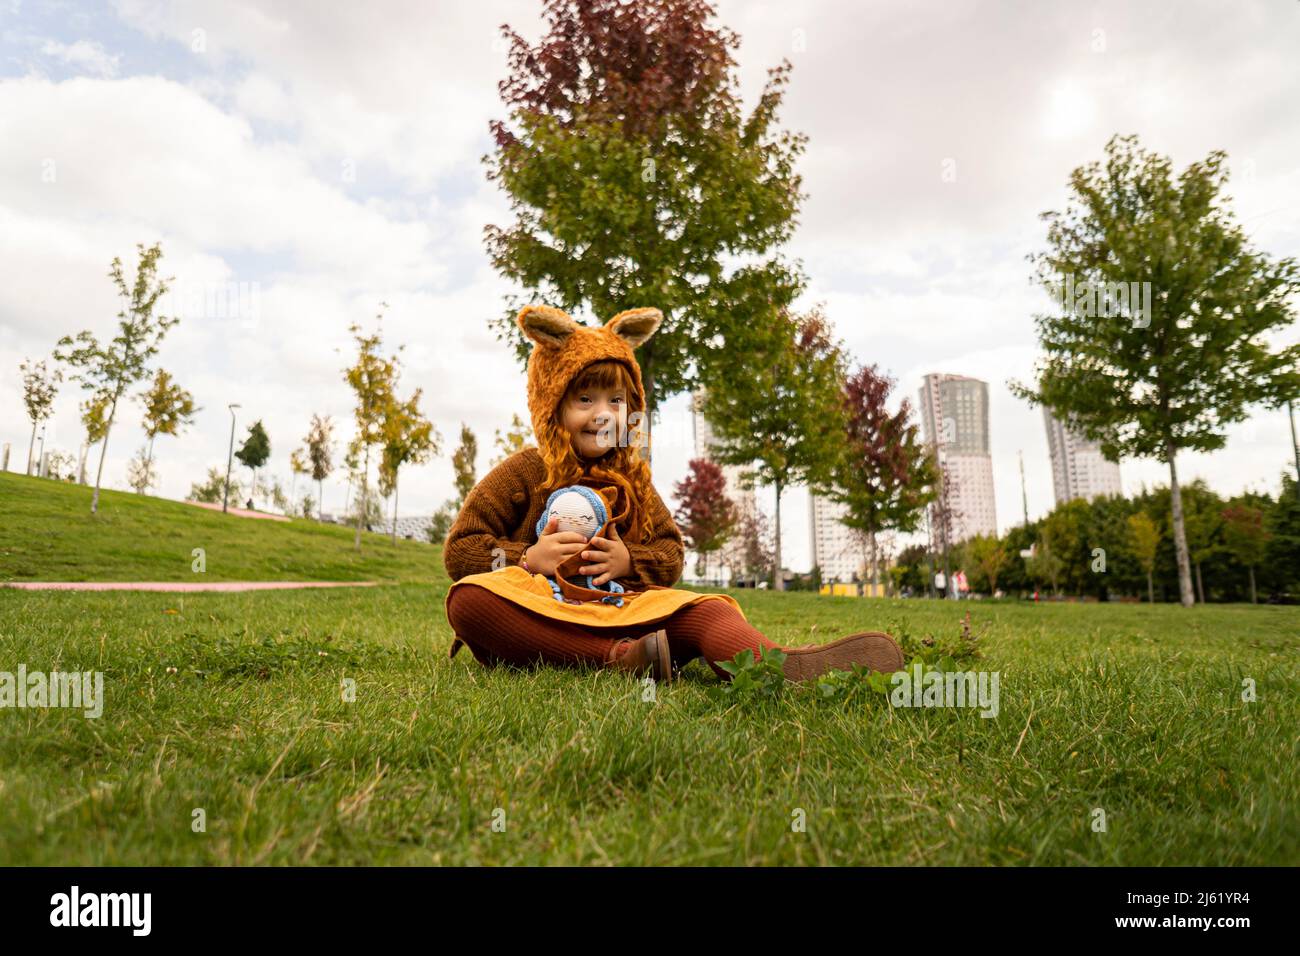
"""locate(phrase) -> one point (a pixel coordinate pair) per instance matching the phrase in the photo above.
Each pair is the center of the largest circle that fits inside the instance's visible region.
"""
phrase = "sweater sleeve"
(661, 559)
(490, 512)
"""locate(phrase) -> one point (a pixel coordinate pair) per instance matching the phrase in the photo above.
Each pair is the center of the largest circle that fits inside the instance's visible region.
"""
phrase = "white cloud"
(86, 55)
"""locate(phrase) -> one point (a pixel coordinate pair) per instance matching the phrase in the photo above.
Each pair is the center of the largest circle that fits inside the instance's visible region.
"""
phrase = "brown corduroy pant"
(497, 631)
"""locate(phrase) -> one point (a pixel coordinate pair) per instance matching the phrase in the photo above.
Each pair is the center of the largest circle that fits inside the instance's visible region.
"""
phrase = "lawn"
(231, 704)
(47, 533)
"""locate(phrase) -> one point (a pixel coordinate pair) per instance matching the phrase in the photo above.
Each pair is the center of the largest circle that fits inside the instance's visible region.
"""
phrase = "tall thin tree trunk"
(1180, 535)
(361, 510)
(148, 466)
(1251, 569)
(875, 575)
(31, 447)
(1151, 591)
(103, 452)
(780, 578)
(1200, 586)
(320, 503)
(394, 508)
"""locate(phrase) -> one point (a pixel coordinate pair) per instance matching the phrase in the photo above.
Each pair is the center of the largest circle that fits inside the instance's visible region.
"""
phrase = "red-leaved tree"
(706, 516)
(884, 477)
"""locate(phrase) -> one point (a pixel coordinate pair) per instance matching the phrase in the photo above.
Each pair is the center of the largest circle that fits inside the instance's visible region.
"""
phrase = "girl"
(584, 385)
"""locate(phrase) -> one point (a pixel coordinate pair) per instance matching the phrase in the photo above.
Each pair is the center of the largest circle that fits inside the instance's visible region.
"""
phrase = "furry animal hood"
(563, 348)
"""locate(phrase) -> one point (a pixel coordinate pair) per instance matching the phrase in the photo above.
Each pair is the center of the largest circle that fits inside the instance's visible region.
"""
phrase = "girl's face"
(593, 418)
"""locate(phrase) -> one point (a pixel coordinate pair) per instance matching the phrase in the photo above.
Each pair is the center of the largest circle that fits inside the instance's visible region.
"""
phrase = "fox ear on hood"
(635, 326)
(546, 326)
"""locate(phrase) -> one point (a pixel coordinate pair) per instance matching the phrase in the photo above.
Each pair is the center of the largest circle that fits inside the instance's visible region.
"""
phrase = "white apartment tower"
(955, 418)
(1078, 468)
(835, 548)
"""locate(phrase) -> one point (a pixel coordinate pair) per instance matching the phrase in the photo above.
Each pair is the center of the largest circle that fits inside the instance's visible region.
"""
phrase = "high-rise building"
(728, 563)
(835, 548)
(1078, 468)
(955, 419)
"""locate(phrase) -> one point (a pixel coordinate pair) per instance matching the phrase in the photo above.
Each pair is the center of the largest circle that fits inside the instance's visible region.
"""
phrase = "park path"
(238, 512)
(180, 585)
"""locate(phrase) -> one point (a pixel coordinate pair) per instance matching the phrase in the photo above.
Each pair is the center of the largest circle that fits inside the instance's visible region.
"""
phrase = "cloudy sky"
(331, 161)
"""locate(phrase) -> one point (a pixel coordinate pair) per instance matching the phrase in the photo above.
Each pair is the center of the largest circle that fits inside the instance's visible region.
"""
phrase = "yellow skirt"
(533, 592)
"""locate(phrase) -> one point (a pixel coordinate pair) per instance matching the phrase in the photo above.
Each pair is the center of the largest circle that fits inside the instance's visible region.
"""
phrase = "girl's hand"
(552, 548)
(608, 557)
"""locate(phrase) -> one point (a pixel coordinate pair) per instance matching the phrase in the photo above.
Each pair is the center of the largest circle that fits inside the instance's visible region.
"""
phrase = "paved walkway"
(180, 585)
(238, 512)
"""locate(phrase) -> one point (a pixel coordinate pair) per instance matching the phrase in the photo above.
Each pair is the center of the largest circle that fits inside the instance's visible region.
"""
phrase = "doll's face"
(593, 417)
(574, 512)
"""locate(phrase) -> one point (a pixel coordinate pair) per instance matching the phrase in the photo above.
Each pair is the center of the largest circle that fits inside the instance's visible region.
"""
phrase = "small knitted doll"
(579, 509)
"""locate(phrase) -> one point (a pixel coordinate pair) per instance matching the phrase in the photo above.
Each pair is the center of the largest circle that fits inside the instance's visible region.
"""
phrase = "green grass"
(1133, 709)
(47, 533)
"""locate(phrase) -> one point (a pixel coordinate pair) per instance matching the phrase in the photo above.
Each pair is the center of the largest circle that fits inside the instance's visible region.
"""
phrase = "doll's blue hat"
(597, 505)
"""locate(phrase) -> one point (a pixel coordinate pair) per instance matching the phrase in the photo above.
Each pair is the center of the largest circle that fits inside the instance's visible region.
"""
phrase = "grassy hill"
(47, 533)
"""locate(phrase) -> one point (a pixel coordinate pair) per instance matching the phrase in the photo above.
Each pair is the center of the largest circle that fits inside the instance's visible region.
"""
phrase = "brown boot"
(871, 649)
(644, 655)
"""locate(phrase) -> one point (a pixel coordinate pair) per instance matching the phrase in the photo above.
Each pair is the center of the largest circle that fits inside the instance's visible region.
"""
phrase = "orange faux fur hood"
(562, 348)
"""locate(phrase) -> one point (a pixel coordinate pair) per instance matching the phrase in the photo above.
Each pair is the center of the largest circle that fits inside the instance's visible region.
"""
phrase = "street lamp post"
(230, 458)
(1295, 448)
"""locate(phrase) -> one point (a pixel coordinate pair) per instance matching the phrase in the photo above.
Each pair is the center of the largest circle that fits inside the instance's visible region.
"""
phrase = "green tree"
(1106, 528)
(1144, 540)
(254, 453)
(462, 466)
(1150, 375)
(635, 179)
(1246, 538)
(1283, 525)
(108, 370)
(212, 489)
(782, 421)
(989, 556)
(909, 569)
(320, 451)
(94, 419)
(1203, 521)
(516, 438)
(167, 409)
(1014, 575)
(299, 464)
(371, 379)
(408, 439)
(1045, 566)
(40, 386)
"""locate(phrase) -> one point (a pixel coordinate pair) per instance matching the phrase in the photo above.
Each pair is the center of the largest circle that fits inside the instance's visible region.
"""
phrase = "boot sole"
(871, 649)
(663, 659)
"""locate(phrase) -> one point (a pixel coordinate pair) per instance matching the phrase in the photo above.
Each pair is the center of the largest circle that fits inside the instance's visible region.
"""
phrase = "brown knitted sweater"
(502, 511)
